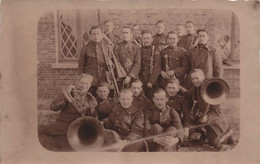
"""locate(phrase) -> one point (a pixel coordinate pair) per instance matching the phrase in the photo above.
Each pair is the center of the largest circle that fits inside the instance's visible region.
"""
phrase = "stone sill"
(64, 65)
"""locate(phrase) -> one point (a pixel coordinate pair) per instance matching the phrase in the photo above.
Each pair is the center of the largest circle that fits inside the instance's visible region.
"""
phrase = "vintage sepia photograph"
(138, 80)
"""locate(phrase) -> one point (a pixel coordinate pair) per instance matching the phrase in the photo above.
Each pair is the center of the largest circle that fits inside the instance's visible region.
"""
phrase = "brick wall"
(50, 80)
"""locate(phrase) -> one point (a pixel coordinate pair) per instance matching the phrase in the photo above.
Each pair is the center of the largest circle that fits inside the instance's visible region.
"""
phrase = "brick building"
(62, 33)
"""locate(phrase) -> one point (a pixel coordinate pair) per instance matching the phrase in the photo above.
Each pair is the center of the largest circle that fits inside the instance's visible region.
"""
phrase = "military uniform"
(129, 56)
(187, 41)
(114, 38)
(128, 123)
(178, 61)
(66, 117)
(160, 41)
(92, 61)
(208, 60)
(177, 103)
(157, 122)
(217, 123)
(150, 68)
(104, 108)
(142, 102)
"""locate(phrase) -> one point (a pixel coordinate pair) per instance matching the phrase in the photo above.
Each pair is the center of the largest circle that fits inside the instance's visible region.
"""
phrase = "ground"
(46, 119)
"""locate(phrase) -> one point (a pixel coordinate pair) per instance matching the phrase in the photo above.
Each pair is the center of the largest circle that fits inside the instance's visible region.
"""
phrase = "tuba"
(215, 90)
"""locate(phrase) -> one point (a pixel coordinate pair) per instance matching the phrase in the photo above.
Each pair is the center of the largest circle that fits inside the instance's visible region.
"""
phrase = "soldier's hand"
(203, 119)
(169, 141)
(149, 85)
(186, 132)
(164, 75)
(127, 80)
(70, 88)
(171, 73)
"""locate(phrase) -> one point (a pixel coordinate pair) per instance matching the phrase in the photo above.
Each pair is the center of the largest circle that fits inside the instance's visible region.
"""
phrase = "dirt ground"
(46, 119)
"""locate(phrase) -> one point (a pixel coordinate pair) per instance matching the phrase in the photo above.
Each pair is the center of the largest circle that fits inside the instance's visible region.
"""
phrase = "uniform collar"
(206, 46)
(159, 34)
(141, 96)
(147, 47)
(173, 47)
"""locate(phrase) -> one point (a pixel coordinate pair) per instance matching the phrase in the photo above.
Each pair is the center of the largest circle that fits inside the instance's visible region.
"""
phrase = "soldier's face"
(84, 84)
(203, 37)
(136, 30)
(172, 89)
(136, 89)
(180, 30)
(160, 28)
(96, 35)
(126, 99)
(102, 92)
(160, 100)
(109, 26)
(172, 39)
(127, 35)
(197, 79)
(147, 39)
(190, 28)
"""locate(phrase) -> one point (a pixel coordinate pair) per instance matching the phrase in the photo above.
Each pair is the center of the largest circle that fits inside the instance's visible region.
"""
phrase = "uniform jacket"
(104, 108)
(160, 41)
(150, 67)
(142, 102)
(128, 123)
(187, 41)
(67, 113)
(92, 61)
(178, 61)
(114, 38)
(177, 103)
(170, 118)
(129, 56)
(216, 119)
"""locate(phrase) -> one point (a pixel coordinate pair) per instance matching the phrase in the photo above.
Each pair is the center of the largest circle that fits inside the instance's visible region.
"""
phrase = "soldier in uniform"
(176, 99)
(109, 32)
(150, 65)
(140, 100)
(137, 37)
(174, 61)
(205, 58)
(199, 112)
(180, 31)
(92, 59)
(126, 119)
(105, 103)
(189, 40)
(159, 39)
(70, 112)
(129, 56)
(159, 119)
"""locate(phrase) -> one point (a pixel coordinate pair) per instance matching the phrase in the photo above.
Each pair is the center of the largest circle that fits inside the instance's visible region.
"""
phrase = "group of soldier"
(144, 85)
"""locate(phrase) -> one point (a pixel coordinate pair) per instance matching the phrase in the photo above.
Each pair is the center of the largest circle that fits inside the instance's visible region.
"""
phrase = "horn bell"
(215, 90)
(85, 134)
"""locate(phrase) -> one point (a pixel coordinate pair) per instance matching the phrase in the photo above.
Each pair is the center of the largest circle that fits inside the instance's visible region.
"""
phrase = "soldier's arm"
(186, 108)
(82, 61)
(156, 67)
(136, 64)
(137, 127)
(217, 64)
(58, 103)
(177, 124)
(183, 69)
(214, 112)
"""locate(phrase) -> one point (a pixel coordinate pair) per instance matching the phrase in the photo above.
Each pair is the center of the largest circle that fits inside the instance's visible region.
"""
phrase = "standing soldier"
(180, 31)
(137, 37)
(205, 58)
(150, 64)
(129, 56)
(159, 39)
(109, 32)
(175, 62)
(188, 41)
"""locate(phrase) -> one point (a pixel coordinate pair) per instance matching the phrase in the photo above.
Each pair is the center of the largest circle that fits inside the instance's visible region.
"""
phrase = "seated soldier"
(81, 103)
(176, 100)
(200, 112)
(105, 103)
(140, 100)
(126, 119)
(159, 119)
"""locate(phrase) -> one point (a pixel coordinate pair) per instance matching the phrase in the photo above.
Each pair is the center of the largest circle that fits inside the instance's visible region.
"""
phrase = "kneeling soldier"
(70, 109)
(162, 119)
